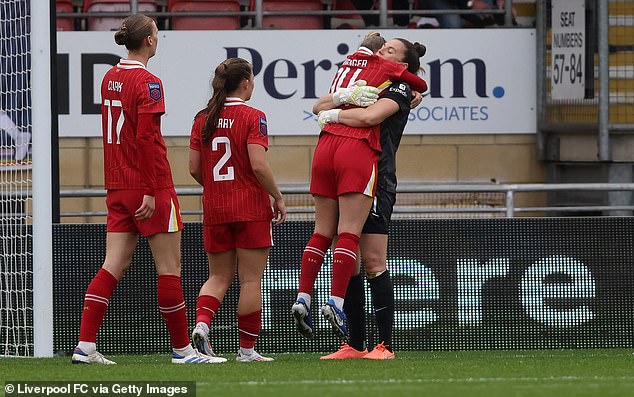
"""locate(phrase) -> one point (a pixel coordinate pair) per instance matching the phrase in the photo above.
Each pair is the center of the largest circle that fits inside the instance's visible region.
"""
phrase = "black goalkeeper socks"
(354, 307)
(383, 301)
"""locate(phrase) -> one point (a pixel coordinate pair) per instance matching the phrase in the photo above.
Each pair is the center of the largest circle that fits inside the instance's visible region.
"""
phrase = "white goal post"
(42, 181)
(26, 294)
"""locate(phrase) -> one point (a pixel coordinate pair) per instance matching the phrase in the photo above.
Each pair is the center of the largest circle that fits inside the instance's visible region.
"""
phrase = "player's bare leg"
(119, 250)
(326, 216)
(353, 211)
(222, 269)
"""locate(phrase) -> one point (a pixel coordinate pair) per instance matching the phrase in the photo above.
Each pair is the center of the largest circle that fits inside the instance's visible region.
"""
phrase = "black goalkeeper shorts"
(378, 221)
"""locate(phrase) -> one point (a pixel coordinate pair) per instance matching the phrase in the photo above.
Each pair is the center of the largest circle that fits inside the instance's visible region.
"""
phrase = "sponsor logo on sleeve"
(401, 89)
(263, 129)
(154, 90)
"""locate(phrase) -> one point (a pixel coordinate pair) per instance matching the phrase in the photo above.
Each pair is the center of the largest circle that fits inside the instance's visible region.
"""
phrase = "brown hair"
(227, 78)
(134, 29)
(413, 53)
(373, 41)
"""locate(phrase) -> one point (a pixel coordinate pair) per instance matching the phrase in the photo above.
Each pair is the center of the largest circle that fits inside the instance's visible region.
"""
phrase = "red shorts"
(122, 204)
(343, 165)
(228, 236)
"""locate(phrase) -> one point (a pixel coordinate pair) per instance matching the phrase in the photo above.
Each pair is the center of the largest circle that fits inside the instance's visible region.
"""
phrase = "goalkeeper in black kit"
(391, 111)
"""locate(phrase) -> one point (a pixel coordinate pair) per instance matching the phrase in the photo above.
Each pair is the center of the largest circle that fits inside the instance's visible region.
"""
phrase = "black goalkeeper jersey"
(391, 132)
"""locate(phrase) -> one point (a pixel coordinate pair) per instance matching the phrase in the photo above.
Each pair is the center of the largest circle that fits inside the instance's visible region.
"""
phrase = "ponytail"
(227, 78)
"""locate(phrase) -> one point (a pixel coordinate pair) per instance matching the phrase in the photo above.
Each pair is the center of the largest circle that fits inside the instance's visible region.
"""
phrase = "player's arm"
(414, 81)
(196, 165)
(323, 103)
(357, 94)
(150, 107)
(195, 147)
(149, 125)
(264, 174)
(361, 117)
(417, 98)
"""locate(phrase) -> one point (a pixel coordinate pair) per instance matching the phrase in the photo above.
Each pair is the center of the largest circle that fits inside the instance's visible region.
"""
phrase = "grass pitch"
(559, 373)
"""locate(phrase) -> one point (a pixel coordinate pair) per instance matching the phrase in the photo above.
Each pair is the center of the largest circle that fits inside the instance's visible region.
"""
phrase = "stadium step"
(588, 113)
(621, 7)
(621, 35)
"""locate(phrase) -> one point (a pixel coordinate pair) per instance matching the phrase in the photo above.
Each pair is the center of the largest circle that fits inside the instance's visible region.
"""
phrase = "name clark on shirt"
(115, 86)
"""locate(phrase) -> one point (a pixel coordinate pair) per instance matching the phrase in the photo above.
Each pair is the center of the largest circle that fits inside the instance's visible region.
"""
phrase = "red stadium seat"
(112, 23)
(204, 23)
(64, 24)
(292, 22)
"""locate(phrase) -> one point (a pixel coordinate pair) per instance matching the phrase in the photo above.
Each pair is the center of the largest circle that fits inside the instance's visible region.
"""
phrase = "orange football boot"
(345, 352)
(380, 352)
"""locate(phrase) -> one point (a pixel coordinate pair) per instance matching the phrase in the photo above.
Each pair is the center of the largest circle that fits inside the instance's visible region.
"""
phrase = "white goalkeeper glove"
(358, 94)
(328, 116)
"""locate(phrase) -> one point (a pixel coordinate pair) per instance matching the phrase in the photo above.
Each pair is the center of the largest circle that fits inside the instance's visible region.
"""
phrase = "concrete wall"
(433, 158)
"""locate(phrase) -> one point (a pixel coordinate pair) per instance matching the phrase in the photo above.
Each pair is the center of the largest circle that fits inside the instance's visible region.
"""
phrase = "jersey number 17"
(115, 108)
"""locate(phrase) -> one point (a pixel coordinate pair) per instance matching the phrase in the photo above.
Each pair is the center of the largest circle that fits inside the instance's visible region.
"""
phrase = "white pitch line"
(430, 380)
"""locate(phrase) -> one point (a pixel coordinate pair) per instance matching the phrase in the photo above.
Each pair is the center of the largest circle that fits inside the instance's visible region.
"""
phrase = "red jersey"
(231, 191)
(376, 71)
(135, 155)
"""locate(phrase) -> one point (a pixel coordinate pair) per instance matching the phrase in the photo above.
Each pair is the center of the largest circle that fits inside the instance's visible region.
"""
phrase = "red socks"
(343, 261)
(172, 306)
(95, 304)
(311, 261)
(206, 308)
(249, 328)
(170, 300)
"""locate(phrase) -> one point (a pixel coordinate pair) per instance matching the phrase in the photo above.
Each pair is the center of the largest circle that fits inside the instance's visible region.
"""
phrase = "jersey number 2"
(120, 118)
(215, 146)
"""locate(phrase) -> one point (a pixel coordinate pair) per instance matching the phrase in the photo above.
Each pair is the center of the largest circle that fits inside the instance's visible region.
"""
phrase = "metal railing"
(258, 12)
(459, 199)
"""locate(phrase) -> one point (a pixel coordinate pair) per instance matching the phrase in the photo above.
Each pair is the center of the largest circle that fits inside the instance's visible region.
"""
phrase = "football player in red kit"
(343, 184)
(228, 148)
(140, 195)
(391, 111)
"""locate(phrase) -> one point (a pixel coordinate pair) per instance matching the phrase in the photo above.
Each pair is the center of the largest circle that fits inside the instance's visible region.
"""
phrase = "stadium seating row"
(197, 23)
(175, 11)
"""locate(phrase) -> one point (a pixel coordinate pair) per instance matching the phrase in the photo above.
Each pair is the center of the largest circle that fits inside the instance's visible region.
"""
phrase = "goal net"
(16, 254)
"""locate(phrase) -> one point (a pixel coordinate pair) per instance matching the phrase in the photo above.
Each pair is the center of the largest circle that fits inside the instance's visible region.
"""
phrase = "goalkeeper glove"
(328, 116)
(358, 94)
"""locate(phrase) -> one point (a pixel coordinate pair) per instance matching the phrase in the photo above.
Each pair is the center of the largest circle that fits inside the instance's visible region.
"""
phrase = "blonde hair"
(373, 41)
